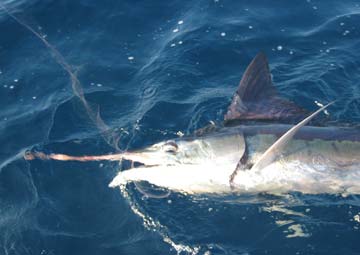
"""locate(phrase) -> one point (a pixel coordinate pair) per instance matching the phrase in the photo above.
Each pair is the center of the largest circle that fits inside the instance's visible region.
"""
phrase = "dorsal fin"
(256, 97)
(276, 149)
(256, 82)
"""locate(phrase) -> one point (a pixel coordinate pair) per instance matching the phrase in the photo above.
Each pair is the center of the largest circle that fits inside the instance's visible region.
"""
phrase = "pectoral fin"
(271, 154)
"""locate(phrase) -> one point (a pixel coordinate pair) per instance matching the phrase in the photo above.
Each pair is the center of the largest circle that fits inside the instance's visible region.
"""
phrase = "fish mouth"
(137, 164)
(138, 160)
(144, 159)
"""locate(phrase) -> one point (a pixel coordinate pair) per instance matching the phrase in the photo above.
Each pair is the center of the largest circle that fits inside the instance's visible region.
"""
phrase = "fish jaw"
(191, 179)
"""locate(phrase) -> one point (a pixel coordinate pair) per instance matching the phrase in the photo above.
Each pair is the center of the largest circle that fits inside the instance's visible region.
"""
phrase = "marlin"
(264, 145)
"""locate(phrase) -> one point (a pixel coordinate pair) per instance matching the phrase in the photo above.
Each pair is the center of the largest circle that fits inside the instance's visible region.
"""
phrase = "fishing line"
(94, 116)
(112, 140)
(75, 83)
(142, 190)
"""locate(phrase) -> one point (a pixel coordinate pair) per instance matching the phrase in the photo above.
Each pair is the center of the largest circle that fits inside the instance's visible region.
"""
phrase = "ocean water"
(153, 69)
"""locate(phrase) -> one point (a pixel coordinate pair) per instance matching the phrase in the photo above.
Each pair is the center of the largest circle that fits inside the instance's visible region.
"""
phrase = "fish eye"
(170, 146)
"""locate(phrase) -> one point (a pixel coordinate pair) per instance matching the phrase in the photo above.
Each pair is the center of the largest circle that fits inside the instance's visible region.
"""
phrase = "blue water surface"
(152, 69)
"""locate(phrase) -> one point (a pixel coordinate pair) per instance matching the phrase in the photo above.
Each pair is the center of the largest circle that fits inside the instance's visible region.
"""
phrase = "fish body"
(315, 161)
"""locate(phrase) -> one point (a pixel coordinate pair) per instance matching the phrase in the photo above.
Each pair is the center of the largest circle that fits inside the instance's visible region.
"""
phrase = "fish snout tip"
(118, 181)
(28, 155)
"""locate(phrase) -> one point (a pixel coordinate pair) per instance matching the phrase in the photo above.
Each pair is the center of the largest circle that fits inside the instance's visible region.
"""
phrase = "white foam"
(357, 218)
